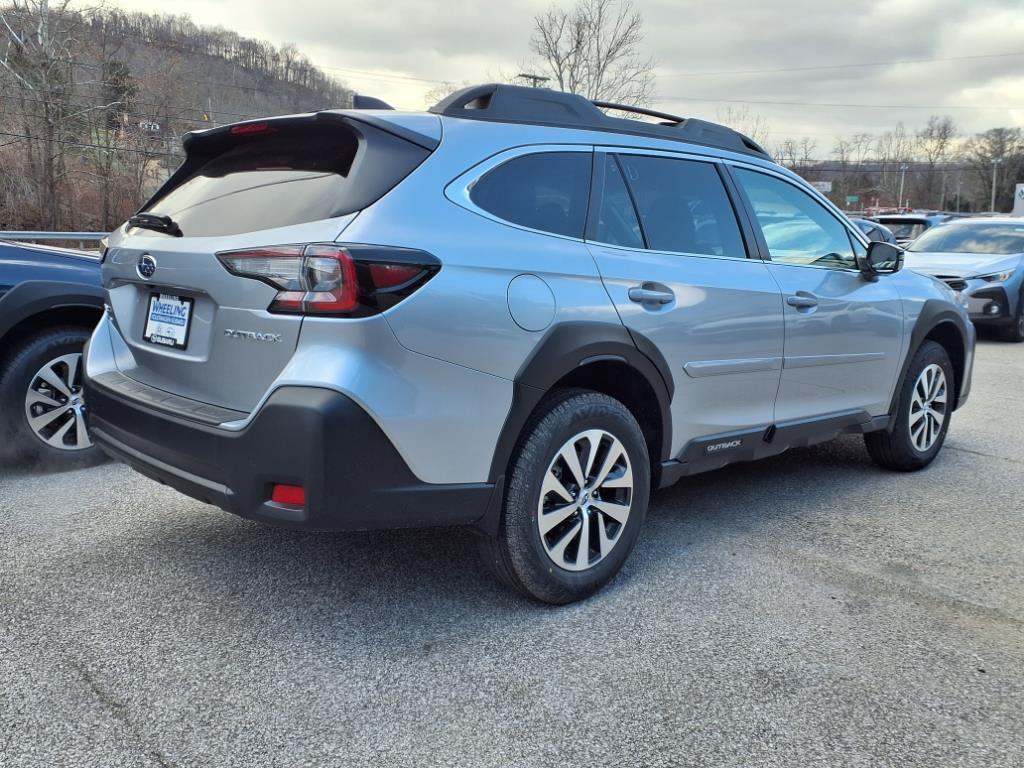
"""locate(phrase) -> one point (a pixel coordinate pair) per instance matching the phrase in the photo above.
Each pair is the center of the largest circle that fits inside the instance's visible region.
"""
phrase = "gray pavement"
(809, 610)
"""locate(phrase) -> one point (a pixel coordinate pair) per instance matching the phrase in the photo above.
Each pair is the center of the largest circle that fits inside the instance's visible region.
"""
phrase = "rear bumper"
(353, 476)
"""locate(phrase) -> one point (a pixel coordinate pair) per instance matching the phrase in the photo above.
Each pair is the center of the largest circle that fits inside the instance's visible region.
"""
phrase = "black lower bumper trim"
(353, 476)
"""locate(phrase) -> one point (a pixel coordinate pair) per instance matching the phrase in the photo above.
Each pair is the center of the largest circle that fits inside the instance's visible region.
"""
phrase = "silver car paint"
(229, 372)
(436, 371)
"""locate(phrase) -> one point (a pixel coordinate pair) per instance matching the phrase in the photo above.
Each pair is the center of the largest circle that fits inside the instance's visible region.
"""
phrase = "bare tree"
(440, 91)
(806, 148)
(741, 119)
(786, 152)
(935, 143)
(37, 42)
(998, 154)
(594, 50)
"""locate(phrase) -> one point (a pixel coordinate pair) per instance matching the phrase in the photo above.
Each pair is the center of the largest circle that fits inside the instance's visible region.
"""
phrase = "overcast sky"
(706, 53)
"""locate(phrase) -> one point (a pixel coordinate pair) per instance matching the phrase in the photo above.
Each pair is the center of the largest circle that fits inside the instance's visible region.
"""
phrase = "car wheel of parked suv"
(925, 405)
(1014, 332)
(575, 500)
(41, 401)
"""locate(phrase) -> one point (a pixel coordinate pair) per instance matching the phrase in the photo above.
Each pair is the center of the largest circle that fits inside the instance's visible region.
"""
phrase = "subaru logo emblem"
(146, 266)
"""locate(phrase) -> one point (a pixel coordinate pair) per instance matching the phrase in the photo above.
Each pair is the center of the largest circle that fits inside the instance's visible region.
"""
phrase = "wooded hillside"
(93, 105)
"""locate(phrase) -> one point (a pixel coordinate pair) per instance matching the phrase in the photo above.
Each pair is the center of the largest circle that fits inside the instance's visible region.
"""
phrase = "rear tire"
(924, 408)
(57, 352)
(560, 539)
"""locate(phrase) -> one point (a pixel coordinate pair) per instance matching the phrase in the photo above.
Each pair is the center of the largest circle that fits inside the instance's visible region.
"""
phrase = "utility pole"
(903, 178)
(535, 80)
(995, 170)
(959, 181)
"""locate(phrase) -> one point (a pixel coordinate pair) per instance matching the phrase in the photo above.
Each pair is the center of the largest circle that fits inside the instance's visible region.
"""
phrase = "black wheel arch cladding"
(935, 318)
(35, 297)
(567, 347)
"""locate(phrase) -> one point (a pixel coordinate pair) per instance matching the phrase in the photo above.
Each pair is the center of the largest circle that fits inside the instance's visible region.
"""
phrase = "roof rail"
(540, 106)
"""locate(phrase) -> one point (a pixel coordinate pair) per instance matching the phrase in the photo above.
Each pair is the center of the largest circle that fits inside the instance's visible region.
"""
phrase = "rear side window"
(291, 175)
(683, 206)
(547, 191)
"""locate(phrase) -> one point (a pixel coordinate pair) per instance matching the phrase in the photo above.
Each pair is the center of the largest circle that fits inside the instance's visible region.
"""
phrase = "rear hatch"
(193, 328)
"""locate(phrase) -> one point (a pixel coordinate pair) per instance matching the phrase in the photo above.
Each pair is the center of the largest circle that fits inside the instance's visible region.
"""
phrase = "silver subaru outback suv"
(515, 312)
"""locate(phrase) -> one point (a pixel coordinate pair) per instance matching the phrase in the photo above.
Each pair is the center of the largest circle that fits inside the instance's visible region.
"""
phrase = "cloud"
(382, 47)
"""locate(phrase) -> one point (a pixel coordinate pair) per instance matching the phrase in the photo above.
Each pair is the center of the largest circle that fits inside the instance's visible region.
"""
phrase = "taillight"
(329, 279)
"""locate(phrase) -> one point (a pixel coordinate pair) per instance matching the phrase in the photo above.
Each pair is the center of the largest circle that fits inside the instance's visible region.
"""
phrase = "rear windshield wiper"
(163, 224)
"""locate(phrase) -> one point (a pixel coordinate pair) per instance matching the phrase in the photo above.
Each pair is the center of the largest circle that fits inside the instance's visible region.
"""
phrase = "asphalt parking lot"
(807, 610)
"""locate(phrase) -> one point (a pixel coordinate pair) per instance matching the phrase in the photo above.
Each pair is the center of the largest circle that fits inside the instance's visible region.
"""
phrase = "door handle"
(802, 302)
(650, 296)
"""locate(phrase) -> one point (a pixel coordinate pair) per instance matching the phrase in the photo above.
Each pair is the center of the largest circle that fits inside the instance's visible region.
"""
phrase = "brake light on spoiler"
(334, 280)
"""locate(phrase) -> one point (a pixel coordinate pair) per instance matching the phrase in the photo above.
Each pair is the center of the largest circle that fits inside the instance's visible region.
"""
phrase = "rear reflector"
(293, 495)
(334, 280)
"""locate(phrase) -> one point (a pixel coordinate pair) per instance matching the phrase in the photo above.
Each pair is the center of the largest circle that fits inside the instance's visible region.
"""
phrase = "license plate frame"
(173, 327)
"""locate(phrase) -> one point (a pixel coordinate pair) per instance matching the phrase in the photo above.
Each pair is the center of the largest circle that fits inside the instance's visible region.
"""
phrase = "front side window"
(547, 191)
(796, 227)
(683, 206)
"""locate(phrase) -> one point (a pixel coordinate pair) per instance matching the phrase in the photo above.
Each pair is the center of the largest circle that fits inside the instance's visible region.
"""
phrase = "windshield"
(994, 238)
(905, 230)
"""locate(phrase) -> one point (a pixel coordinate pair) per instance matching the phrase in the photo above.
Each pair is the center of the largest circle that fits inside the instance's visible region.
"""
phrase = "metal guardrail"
(43, 237)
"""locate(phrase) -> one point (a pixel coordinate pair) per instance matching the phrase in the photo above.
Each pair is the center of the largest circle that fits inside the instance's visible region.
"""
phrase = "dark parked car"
(50, 300)
(875, 232)
(909, 226)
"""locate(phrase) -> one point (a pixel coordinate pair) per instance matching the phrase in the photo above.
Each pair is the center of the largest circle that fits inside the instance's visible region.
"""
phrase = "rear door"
(673, 259)
(189, 326)
(844, 333)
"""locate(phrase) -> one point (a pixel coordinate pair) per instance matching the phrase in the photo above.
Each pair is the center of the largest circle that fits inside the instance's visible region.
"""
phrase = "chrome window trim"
(459, 189)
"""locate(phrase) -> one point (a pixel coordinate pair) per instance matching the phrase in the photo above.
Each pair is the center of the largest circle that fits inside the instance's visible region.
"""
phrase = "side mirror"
(880, 259)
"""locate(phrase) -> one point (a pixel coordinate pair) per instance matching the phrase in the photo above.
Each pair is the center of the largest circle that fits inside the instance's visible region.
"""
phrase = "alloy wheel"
(54, 406)
(928, 407)
(585, 500)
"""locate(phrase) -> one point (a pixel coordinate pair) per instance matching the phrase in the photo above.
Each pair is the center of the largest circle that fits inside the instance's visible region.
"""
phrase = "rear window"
(547, 191)
(292, 176)
(994, 238)
(904, 229)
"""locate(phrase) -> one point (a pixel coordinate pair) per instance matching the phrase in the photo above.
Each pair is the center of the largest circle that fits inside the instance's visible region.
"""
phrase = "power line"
(370, 73)
(91, 146)
(1003, 107)
(842, 66)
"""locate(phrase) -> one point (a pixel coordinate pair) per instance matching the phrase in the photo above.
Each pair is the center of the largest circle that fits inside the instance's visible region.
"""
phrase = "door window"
(797, 228)
(617, 223)
(683, 206)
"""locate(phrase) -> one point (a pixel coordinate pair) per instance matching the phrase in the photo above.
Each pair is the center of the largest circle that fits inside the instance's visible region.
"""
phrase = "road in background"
(806, 610)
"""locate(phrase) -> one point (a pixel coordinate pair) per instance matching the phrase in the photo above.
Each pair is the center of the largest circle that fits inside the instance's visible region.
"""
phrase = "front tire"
(1014, 332)
(925, 406)
(575, 500)
(41, 406)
